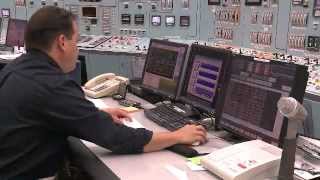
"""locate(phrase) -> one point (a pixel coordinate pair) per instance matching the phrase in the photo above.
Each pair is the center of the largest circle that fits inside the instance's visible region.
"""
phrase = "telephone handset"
(104, 85)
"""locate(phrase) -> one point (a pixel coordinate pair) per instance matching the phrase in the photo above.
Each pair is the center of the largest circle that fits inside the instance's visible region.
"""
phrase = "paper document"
(98, 103)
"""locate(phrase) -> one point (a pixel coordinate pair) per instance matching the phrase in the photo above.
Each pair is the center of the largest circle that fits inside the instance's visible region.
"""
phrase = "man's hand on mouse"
(118, 115)
(190, 134)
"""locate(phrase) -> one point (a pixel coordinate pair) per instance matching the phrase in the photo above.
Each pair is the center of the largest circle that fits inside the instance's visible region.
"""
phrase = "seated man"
(41, 106)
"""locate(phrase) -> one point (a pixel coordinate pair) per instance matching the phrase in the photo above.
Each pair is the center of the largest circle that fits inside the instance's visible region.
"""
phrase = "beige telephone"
(104, 85)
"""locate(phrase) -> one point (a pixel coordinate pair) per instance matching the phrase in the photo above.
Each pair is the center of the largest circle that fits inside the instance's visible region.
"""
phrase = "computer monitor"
(248, 105)
(204, 75)
(163, 67)
(15, 33)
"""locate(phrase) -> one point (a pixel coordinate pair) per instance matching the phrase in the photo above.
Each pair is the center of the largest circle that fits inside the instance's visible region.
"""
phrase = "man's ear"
(61, 42)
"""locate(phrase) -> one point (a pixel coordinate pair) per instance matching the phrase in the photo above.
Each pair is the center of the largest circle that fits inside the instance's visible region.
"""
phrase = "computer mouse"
(183, 150)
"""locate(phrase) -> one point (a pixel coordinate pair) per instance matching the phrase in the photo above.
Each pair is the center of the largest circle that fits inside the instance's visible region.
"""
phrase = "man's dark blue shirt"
(40, 106)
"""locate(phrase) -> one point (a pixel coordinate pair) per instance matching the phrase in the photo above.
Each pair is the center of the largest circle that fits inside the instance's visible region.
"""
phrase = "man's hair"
(45, 25)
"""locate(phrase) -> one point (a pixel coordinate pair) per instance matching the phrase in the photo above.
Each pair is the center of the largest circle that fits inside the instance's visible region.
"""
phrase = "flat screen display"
(250, 95)
(15, 33)
(204, 76)
(163, 66)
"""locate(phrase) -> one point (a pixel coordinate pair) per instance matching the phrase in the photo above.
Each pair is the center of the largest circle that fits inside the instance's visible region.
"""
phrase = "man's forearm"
(161, 140)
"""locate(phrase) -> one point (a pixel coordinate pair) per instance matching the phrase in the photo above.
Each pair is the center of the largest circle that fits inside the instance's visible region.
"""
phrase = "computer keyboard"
(166, 115)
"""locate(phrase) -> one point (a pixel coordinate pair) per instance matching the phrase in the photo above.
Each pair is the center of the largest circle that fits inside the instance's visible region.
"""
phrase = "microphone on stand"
(296, 113)
(292, 109)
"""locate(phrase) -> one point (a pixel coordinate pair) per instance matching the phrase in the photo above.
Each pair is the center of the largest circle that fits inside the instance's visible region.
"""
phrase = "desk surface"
(156, 165)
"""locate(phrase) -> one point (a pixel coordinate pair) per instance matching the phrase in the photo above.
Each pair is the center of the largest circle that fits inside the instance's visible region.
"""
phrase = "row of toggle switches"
(299, 19)
(228, 15)
(261, 38)
(224, 33)
(267, 18)
(296, 42)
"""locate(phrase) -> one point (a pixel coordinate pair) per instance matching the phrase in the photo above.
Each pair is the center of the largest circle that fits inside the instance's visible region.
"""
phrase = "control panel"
(123, 44)
(259, 24)
(304, 30)
(91, 41)
(133, 17)
(224, 21)
(288, 26)
(129, 44)
(174, 18)
(282, 27)
(33, 5)
(159, 18)
(94, 18)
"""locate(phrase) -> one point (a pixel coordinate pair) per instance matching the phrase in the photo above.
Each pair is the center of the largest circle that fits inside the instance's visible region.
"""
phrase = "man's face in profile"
(71, 51)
